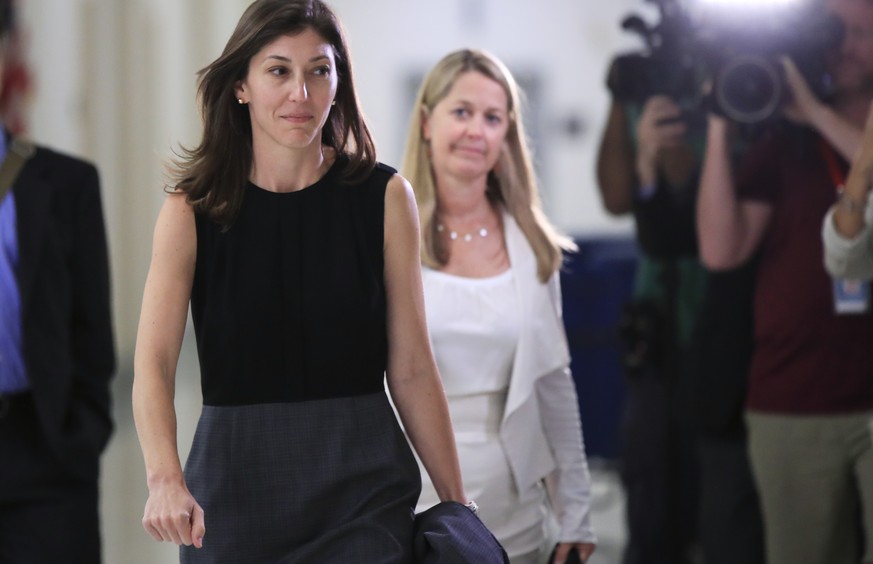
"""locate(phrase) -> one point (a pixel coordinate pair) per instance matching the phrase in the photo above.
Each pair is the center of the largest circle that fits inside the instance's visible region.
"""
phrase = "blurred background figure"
(17, 78)
(687, 331)
(659, 463)
(846, 231)
(810, 394)
(490, 261)
(57, 353)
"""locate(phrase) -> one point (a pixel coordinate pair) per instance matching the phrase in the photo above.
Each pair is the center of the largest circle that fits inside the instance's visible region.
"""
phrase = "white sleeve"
(571, 486)
(849, 258)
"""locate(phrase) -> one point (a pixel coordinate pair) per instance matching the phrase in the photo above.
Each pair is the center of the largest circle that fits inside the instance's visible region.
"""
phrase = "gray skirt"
(318, 481)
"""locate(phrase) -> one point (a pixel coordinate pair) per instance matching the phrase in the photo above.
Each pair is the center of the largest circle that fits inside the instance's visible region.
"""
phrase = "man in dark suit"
(56, 355)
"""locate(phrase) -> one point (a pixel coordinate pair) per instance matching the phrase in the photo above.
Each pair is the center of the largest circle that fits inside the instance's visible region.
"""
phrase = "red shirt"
(808, 359)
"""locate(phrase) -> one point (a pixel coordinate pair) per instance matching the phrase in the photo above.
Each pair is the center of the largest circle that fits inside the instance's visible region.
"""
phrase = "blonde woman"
(490, 273)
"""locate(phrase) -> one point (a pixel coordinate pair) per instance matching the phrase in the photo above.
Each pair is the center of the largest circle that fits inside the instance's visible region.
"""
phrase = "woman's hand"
(585, 550)
(849, 219)
(173, 515)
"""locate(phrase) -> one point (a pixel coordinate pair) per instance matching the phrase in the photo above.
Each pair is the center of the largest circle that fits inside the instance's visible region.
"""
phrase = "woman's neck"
(284, 170)
(463, 203)
(470, 228)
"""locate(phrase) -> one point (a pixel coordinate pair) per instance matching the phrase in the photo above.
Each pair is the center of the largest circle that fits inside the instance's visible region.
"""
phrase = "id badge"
(851, 295)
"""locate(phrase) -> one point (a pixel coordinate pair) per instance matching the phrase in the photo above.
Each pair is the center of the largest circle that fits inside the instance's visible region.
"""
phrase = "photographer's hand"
(660, 127)
(803, 107)
(863, 161)
(839, 127)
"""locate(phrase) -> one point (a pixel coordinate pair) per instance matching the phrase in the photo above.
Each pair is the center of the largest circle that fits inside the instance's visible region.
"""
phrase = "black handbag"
(572, 558)
(449, 533)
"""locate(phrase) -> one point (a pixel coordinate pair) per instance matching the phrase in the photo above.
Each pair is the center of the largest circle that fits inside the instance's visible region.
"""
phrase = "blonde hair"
(512, 181)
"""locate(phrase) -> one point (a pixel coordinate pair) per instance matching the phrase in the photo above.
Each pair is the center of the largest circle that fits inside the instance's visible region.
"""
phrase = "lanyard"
(834, 167)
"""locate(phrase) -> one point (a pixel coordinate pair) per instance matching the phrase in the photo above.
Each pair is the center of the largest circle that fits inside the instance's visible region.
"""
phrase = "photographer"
(810, 392)
(683, 475)
(642, 164)
(688, 331)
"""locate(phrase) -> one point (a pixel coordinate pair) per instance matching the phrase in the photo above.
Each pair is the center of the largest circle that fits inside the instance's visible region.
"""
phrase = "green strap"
(18, 153)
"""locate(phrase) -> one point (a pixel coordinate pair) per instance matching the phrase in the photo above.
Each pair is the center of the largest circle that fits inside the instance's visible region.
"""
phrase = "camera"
(735, 56)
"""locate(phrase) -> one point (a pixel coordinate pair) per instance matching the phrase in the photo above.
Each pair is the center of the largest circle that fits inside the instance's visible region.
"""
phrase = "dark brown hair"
(213, 174)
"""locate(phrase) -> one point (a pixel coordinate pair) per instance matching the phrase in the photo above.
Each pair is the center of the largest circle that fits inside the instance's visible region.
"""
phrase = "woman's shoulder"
(383, 177)
(398, 192)
(176, 206)
(382, 168)
(354, 171)
(174, 229)
(373, 179)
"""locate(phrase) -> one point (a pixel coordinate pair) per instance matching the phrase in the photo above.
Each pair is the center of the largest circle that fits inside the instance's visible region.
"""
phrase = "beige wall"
(115, 83)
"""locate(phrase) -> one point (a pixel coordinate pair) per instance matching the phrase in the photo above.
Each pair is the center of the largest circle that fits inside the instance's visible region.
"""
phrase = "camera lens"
(749, 89)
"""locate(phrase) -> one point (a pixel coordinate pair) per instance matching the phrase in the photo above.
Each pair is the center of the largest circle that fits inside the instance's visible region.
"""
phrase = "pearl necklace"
(467, 237)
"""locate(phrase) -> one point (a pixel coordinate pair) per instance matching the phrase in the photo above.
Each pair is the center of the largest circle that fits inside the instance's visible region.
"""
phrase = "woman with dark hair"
(298, 253)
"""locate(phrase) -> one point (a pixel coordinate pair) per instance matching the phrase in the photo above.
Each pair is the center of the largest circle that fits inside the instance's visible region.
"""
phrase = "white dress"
(474, 326)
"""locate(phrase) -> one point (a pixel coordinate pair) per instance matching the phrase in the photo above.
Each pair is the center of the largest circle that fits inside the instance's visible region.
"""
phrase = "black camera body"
(668, 66)
(738, 58)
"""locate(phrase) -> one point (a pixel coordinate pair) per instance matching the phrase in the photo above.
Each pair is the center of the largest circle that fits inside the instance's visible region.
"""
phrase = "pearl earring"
(240, 100)
(333, 103)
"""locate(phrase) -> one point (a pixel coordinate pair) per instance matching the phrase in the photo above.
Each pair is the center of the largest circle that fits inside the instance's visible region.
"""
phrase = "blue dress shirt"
(13, 377)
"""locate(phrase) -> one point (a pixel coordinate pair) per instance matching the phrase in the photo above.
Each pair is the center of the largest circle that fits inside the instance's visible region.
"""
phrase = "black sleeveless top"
(289, 303)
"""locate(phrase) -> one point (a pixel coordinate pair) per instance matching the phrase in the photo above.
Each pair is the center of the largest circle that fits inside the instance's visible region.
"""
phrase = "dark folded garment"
(449, 533)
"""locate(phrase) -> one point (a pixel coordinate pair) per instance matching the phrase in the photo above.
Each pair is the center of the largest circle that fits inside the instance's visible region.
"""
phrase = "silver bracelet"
(851, 206)
(472, 506)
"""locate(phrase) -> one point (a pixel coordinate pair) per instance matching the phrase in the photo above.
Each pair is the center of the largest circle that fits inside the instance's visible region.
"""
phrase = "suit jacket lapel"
(32, 201)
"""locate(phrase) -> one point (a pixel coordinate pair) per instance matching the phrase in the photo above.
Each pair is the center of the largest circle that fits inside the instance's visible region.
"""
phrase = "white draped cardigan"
(541, 429)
